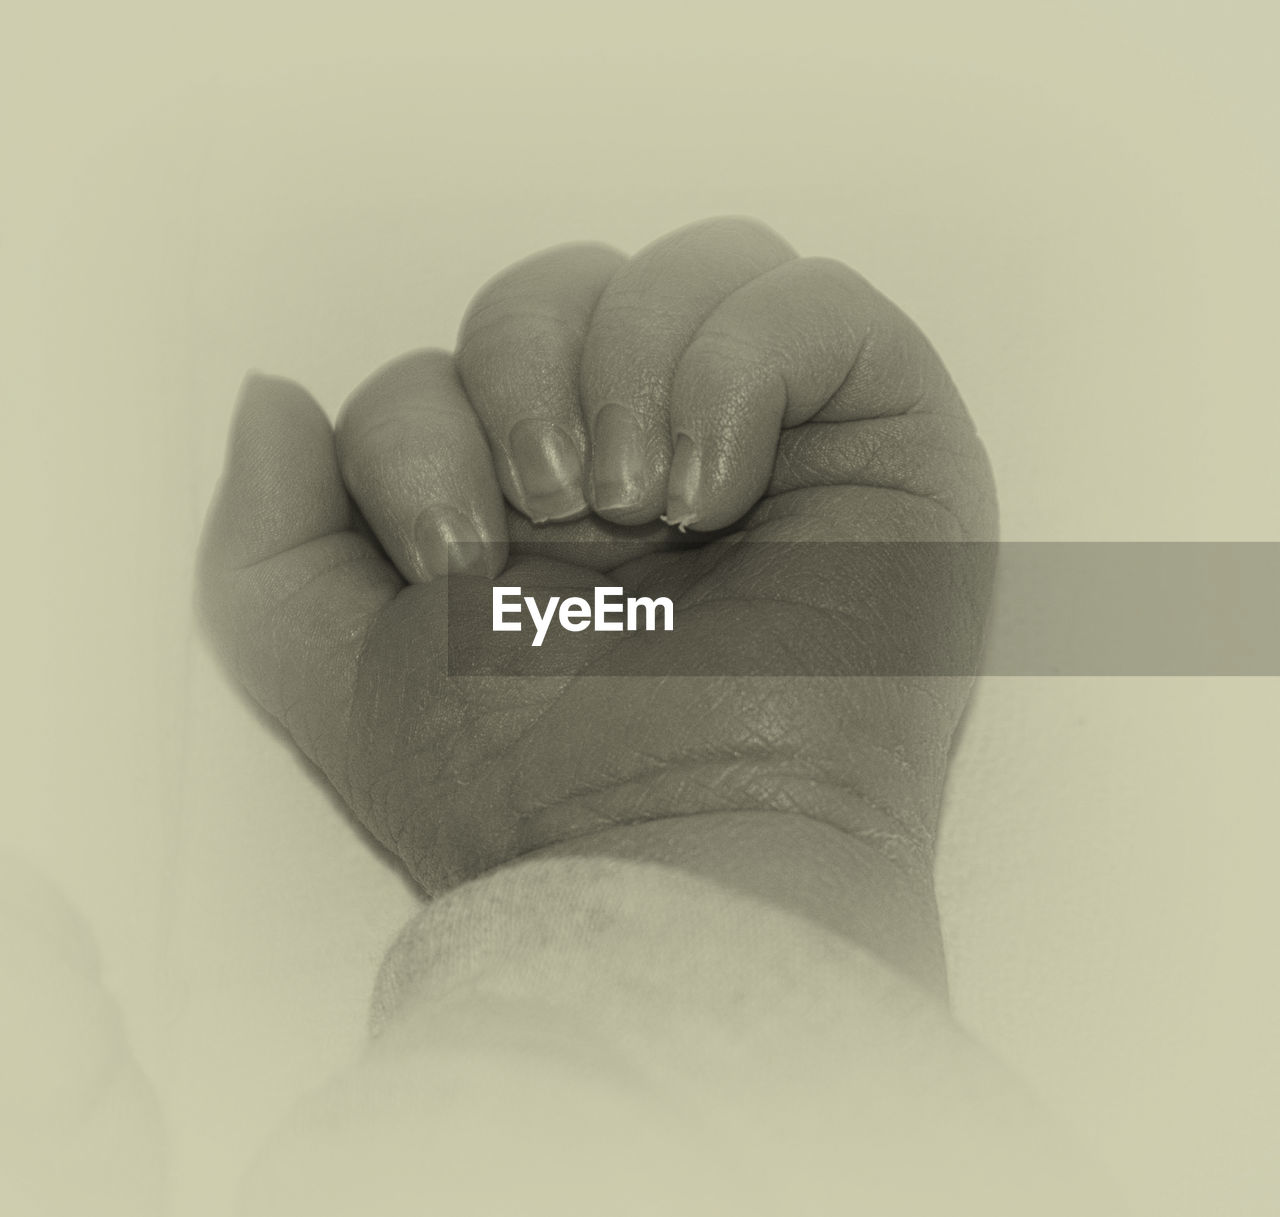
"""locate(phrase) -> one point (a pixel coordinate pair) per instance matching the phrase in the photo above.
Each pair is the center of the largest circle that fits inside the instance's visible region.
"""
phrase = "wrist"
(844, 882)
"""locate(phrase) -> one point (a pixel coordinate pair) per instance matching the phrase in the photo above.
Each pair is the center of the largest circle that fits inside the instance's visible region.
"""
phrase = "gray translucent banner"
(776, 608)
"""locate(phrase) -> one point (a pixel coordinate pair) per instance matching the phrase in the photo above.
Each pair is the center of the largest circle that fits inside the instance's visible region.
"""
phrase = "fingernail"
(445, 540)
(549, 470)
(617, 459)
(682, 485)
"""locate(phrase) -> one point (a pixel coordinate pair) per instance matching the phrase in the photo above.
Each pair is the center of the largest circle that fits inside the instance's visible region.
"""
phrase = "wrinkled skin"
(816, 412)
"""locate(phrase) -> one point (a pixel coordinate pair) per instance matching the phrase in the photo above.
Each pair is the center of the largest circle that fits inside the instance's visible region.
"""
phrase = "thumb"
(287, 586)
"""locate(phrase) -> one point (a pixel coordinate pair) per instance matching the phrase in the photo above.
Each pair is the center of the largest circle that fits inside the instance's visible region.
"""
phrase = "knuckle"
(834, 272)
(741, 228)
(397, 383)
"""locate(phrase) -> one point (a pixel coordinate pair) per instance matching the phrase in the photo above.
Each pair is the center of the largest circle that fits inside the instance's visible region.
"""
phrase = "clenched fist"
(661, 416)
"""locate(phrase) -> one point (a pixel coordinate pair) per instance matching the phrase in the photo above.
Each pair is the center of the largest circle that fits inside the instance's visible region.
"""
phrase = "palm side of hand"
(829, 444)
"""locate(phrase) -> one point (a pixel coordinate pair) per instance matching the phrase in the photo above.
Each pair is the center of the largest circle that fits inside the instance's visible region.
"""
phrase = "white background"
(1076, 202)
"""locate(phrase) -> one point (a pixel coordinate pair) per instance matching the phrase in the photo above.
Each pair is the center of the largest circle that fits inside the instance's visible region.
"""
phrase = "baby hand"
(715, 382)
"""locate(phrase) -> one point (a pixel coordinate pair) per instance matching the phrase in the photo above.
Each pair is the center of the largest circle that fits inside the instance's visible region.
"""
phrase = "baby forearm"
(576, 1035)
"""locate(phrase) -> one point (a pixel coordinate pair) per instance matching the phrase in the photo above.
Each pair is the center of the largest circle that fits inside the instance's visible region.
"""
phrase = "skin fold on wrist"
(799, 865)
